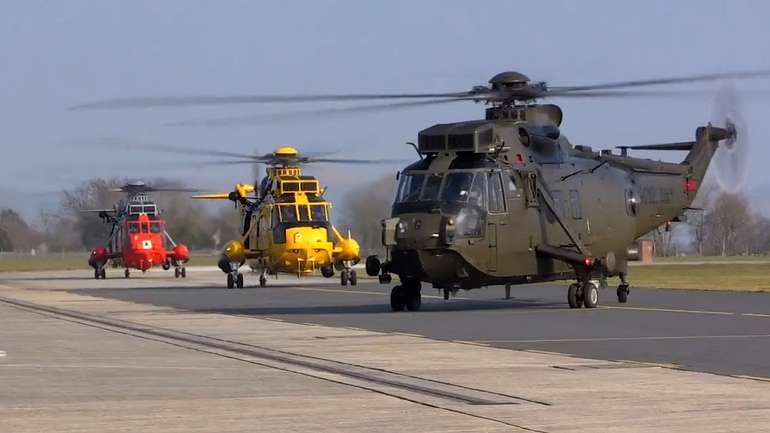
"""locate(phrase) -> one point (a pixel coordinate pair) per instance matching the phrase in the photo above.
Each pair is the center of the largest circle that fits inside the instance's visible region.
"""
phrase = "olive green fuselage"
(507, 202)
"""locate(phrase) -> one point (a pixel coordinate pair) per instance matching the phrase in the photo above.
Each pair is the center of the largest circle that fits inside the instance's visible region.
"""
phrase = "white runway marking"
(2, 353)
(671, 310)
(601, 339)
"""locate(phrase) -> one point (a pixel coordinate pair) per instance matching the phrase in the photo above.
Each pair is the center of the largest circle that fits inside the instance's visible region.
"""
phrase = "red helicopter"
(138, 238)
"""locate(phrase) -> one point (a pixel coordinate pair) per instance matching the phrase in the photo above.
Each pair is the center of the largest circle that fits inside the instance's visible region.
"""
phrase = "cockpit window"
(477, 194)
(133, 228)
(288, 214)
(304, 213)
(432, 186)
(410, 187)
(318, 212)
(457, 187)
(155, 227)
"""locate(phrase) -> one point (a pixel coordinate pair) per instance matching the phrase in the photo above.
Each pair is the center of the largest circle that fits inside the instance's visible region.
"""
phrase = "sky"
(57, 54)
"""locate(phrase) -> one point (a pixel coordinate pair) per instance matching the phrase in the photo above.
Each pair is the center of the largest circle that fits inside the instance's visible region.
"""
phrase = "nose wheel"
(235, 280)
(406, 296)
(180, 272)
(100, 273)
(348, 275)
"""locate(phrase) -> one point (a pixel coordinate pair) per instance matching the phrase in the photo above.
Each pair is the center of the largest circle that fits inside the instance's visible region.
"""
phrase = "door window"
(495, 193)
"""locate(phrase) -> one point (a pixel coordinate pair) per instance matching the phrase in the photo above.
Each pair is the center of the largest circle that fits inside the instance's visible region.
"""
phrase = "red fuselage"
(141, 245)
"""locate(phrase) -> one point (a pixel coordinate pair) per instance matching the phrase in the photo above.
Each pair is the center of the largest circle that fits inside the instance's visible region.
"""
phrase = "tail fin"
(707, 140)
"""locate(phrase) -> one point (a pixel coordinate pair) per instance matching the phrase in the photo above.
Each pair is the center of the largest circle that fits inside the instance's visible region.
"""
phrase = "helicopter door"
(497, 216)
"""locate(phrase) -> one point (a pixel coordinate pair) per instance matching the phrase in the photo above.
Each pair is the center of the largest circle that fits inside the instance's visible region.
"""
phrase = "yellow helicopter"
(286, 224)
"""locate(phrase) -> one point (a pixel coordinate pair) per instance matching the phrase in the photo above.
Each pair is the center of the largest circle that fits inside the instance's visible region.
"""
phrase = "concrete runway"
(719, 332)
(164, 355)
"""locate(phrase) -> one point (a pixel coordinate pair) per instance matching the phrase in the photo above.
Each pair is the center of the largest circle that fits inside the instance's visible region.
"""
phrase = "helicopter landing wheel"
(262, 280)
(230, 281)
(574, 296)
(446, 294)
(176, 273)
(327, 271)
(413, 298)
(353, 278)
(166, 266)
(184, 272)
(344, 277)
(590, 295)
(239, 281)
(397, 301)
(97, 275)
(623, 292)
(103, 274)
(126, 273)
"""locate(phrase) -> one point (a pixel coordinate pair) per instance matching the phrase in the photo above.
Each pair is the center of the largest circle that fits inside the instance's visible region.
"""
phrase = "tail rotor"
(731, 159)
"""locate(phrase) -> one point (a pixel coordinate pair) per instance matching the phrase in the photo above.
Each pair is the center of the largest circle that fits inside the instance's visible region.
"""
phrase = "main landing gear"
(585, 293)
(406, 296)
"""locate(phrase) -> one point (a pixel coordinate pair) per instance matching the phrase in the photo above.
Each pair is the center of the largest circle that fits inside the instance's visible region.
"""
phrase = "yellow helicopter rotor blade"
(214, 196)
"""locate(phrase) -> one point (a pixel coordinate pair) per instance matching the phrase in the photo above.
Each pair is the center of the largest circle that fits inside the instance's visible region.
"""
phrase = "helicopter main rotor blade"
(740, 75)
(355, 161)
(187, 101)
(163, 148)
(260, 119)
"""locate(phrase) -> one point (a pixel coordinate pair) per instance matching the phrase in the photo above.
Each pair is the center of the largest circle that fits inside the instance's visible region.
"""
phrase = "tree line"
(66, 228)
(723, 224)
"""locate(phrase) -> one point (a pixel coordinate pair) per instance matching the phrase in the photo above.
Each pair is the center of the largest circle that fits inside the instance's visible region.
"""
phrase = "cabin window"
(432, 187)
(574, 204)
(304, 212)
(318, 212)
(156, 227)
(145, 228)
(309, 186)
(495, 193)
(133, 228)
(512, 184)
(410, 187)
(288, 214)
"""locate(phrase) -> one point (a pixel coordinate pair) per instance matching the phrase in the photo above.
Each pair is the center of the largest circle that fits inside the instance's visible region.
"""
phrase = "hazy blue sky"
(56, 54)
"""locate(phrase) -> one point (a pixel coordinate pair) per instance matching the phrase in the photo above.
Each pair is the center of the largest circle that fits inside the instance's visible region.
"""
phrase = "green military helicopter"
(509, 200)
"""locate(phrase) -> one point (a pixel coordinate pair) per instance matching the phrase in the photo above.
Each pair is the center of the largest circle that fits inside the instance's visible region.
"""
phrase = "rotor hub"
(285, 151)
(508, 80)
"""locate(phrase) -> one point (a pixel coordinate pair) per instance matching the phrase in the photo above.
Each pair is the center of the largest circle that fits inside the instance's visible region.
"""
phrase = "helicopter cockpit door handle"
(530, 182)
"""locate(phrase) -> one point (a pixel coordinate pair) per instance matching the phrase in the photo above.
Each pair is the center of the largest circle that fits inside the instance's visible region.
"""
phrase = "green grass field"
(66, 262)
(681, 275)
(711, 276)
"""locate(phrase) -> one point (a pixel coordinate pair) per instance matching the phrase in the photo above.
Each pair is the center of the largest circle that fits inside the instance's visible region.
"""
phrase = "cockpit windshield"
(409, 188)
(462, 187)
